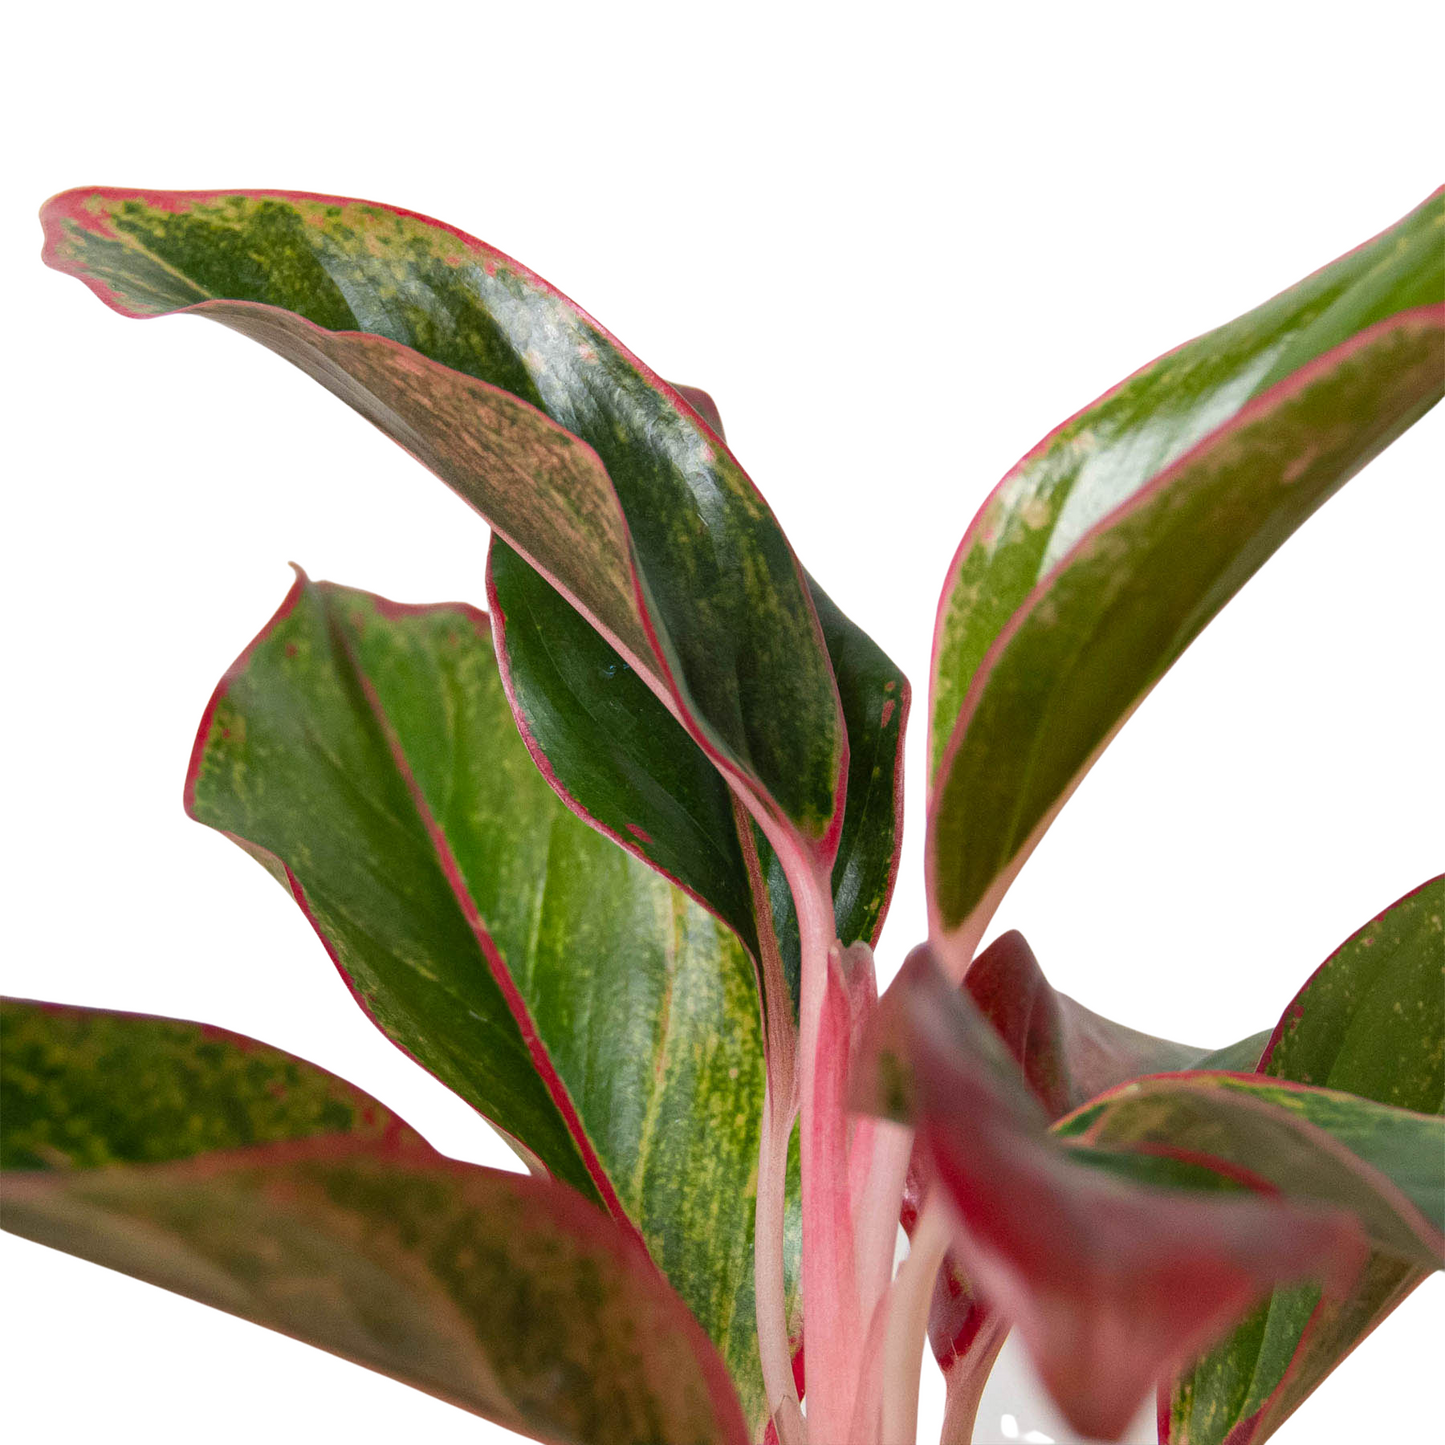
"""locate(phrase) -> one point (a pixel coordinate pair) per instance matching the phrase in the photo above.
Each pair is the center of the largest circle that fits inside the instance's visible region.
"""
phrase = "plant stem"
(964, 1378)
(908, 1301)
(832, 1314)
(877, 1207)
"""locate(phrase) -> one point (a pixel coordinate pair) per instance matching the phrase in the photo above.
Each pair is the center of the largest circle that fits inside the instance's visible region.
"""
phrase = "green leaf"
(617, 756)
(274, 1191)
(1371, 1021)
(1112, 544)
(366, 752)
(875, 697)
(81, 1088)
(597, 471)
(610, 747)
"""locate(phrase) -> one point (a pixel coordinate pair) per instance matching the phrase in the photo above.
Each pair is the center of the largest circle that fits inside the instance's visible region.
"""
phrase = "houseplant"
(689, 692)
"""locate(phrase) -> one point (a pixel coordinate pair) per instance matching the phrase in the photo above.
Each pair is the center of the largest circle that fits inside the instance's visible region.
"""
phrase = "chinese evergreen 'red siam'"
(609, 859)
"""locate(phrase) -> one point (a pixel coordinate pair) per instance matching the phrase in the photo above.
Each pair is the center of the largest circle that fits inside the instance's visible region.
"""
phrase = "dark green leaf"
(621, 760)
(594, 468)
(1371, 1020)
(606, 742)
(367, 753)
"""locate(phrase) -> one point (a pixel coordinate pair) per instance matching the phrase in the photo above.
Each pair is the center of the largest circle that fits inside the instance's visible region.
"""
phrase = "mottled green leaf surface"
(271, 1189)
(1126, 600)
(591, 466)
(1371, 1020)
(1103, 456)
(576, 998)
(83, 1087)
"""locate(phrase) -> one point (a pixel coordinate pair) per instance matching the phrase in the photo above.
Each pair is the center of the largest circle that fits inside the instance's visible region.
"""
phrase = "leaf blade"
(495, 380)
(1104, 453)
(1119, 1243)
(1342, 1031)
(508, 1296)
(570, 994)
(1072, 664)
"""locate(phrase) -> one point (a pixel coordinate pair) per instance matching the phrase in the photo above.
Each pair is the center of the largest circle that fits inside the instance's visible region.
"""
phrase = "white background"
(898, 244)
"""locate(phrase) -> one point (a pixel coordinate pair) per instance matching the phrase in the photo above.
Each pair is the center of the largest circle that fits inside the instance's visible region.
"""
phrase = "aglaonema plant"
(610, 860)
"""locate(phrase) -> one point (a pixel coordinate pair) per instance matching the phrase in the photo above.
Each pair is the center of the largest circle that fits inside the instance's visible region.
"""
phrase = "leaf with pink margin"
(595, 469)
(1113, 1274)
(1068, 1054)
(366, 754)
(1371, 1020)
(1110, 547)
(508, 1296)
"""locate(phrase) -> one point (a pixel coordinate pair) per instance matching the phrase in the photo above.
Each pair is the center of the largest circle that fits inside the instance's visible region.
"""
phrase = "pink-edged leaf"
(595, 469)
(1067, 1054)
(1112, 1281)
(1370, 1020)
(365, 752)
(508, 1296)
(1110, 546)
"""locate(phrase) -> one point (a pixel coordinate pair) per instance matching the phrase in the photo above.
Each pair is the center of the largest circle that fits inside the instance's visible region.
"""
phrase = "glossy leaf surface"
(1107, 550)
(270, 1189)
(1371, 1020)
(623, 762)
(875, 697)
(607, 743)
(594, 468)
(367, 754)
(1118, 1254)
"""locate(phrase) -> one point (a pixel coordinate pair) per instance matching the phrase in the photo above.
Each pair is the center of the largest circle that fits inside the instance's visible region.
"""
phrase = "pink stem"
(832, 1314)
(868, 1403)
(877, 1207)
